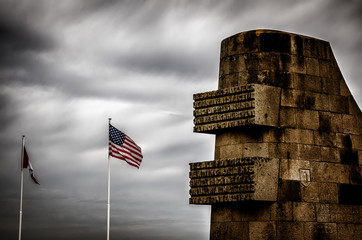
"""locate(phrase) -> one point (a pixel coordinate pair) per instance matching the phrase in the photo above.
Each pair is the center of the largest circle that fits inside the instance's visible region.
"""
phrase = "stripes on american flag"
(123, 147)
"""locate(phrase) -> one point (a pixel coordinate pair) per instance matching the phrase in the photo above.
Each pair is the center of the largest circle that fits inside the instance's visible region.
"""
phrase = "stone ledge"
(234, 180)
(252, 104)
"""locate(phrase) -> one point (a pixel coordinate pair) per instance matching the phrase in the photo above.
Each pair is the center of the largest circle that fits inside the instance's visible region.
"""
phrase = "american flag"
(123, 147)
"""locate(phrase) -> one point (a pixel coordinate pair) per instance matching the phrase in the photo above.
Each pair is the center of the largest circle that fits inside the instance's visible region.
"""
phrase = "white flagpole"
(109, 189)
(21, 187)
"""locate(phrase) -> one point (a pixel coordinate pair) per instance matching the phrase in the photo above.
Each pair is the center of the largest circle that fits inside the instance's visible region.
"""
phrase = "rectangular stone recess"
(235, 107)
(234, 180)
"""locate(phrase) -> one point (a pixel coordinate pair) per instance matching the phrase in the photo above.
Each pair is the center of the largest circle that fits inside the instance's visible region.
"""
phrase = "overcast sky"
(67, 66)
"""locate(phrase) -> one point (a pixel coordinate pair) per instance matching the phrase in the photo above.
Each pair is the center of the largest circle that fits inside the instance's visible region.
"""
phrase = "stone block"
(290, 230)
(236, 63)
(328, 193)
(242, 43)
(281, 211)
(304, 212)
(232, 80)
(325, 68)
(297, 65)
(288, 117)
(292, 98)
(296, 135)
(239, 136)
(262, 230)
(309, 152)
(347, 231)
(316, 101)
(267, 102)
(358, 231)
(312, 66)
(324, 139)
(338, 104)
(314, 231)
(330, 154)
(331, 85)
(356, 141)
(224, 67)
(307, 83)
(296, 45)
(220, 213)
(310, 48)
(330, 172)
(344, 89)
(341, 213)
(229, 230)
(352, 124)
(357, 214)
(229, 151)
(275, 78)
(274, 42)
(336, 123)
(255, 150)
(310, 193)
(307, 119)
(343, 140)
(349, 156)
(289, 190)
(323, 213)
(330, 122)
(290, 169)
(313, 84)
(272, 136)
(266, 179)
(353, 107)
(284, 150)
(262, 61)
(250, 211)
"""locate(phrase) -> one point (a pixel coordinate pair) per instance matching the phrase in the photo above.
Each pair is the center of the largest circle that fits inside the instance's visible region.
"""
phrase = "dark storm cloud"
(189, 65)
(7, 114)
(18, 38)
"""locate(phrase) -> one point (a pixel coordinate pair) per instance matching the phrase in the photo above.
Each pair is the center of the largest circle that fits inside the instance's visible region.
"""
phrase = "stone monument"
(288, 148)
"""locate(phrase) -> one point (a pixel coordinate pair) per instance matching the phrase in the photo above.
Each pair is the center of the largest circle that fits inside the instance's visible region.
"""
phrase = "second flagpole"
(109, 186)
(21, 187)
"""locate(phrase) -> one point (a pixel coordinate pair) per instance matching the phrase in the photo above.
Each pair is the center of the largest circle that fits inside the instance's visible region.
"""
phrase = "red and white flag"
(123, 147)
(27, 164)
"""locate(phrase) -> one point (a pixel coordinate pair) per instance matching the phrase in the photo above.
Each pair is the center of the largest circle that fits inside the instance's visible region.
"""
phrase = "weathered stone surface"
(315, 230)
(235, 107)
(234, 180)
(281, 96)
(262, 230)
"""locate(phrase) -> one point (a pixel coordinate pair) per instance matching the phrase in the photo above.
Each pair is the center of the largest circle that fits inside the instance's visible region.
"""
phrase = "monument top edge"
(258, 32)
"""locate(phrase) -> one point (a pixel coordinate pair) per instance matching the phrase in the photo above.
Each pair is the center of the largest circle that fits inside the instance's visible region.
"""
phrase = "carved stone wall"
(288, 148)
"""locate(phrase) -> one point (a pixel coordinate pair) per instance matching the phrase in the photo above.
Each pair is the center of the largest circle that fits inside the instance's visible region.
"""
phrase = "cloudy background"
(67, 66)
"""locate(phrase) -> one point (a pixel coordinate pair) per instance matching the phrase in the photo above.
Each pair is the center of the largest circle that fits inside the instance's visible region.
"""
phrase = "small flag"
(123, 147)
(27, 164)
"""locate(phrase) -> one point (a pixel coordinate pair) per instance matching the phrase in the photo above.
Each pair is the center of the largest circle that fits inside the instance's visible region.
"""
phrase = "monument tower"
(288, 148)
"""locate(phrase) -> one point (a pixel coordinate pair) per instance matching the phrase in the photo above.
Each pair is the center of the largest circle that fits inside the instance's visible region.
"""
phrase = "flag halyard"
(123, 147)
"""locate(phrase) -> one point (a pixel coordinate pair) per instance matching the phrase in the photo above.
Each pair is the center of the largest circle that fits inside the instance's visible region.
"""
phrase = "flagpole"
(109, 188)
(21, 187)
